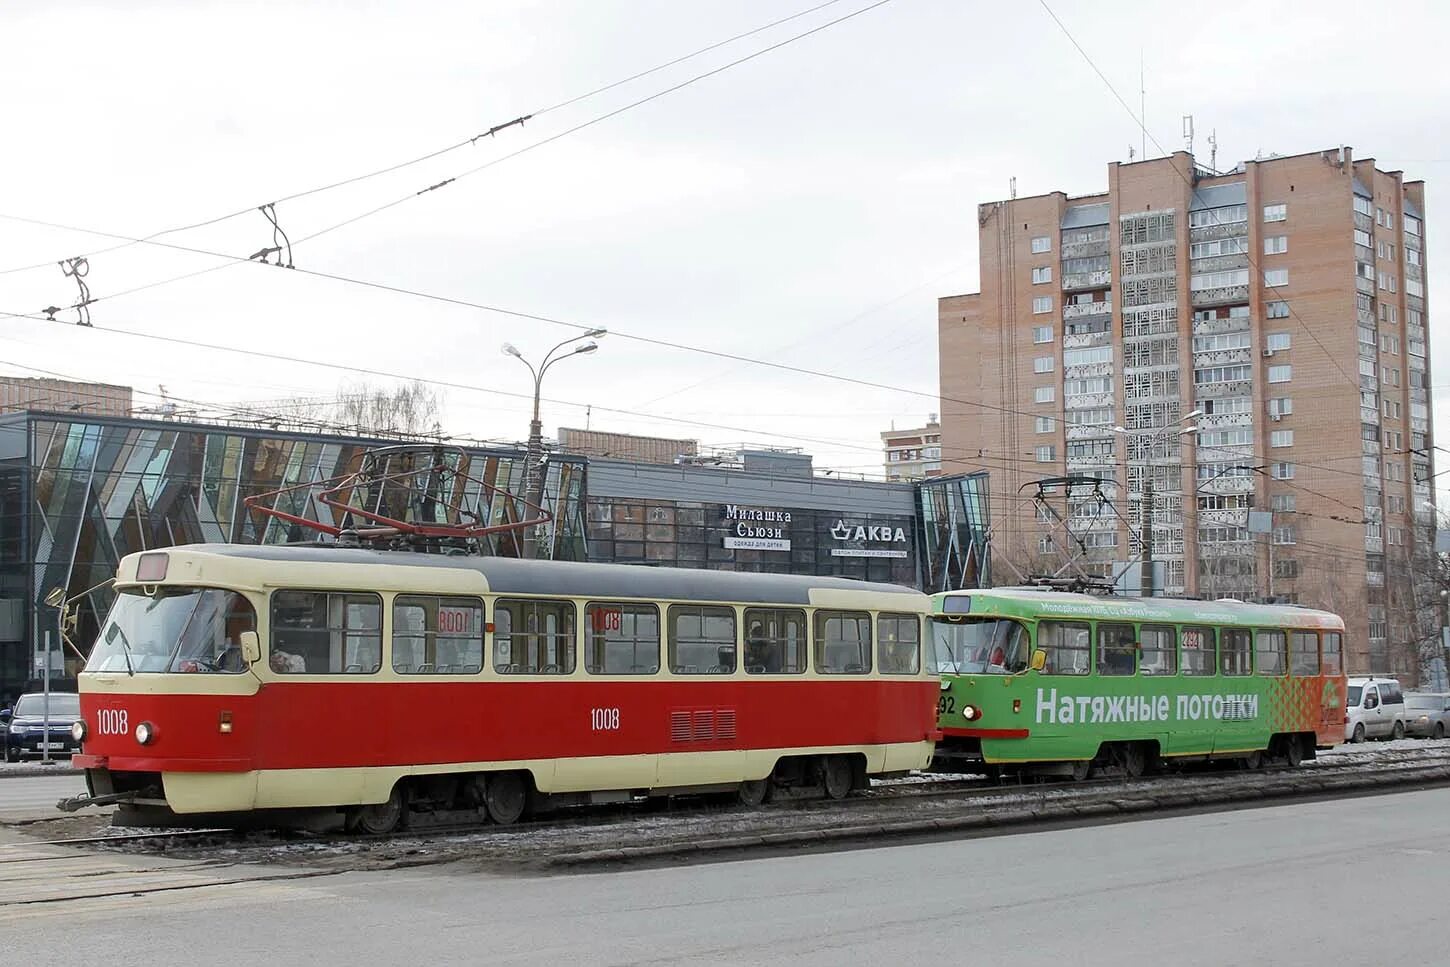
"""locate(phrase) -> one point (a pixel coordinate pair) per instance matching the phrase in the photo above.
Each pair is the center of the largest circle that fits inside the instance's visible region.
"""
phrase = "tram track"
(890, 808)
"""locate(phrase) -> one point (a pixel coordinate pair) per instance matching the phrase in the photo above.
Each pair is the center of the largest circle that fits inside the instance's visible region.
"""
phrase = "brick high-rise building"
(1279, 309)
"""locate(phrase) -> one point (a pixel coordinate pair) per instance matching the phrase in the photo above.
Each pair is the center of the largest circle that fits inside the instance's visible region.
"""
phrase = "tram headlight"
(145, 733)
(78, 731)
(971, 713)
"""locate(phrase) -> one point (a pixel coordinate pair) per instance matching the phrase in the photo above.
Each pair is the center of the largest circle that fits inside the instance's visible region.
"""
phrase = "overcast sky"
(808, 206)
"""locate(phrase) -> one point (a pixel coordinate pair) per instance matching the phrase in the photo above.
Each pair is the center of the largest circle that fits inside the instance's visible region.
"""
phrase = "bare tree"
(412, 409)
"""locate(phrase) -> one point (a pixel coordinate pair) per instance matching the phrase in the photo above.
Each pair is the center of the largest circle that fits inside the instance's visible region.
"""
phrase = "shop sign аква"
(888, 534)
(754, 529)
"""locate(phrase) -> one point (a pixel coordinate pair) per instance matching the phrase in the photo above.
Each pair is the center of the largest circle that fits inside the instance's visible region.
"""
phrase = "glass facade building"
(78, 493)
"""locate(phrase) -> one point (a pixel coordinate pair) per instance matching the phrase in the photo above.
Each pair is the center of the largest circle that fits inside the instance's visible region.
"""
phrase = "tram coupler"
(75, 803)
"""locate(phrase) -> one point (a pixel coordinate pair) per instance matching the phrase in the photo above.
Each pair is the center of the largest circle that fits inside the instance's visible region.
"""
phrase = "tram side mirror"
(251, 647)
(1039, 660)
(55, 597)
(4, 715)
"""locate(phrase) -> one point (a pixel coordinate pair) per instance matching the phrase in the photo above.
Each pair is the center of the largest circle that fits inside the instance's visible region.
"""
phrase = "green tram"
(1047, 681)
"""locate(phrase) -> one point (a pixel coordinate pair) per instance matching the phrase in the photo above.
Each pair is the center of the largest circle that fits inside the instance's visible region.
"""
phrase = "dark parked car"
(26, 731)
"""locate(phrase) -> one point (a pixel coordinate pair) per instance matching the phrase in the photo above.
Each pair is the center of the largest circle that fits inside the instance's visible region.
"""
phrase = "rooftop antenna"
(1213, 149)
(1188, 132)
(1014, 186)
(1142, 102)
(1132, 151)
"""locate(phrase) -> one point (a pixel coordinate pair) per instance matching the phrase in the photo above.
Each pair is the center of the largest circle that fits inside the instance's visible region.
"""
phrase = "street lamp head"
(509, 349)
(1194, 415)
(587, 347)
(596, 333)
(1187, 430)
(1120, 429)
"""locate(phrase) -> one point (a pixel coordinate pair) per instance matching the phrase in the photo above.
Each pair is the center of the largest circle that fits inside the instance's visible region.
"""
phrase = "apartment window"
(1379, 216)
(1273, 278)
(1041, 304)
(1392, 409)
(1394, 503)
(1041, 334)
(1385, 250)
(1276, 310)
(1276, 213)
(1412, 256)
(1281, 406)
(1281, 471)
(1281, 438)
(1280, 374)
(1042, 274)
(1363, 205)
(1390, 344)
(1218, 280)
(1412, 287)
(1277, 341)
(1046, 454)
(1284, 535)
(1044, 394)
(1276, 244)
(1389, 219)
(1287, 568)
(1043, 364)
(1040, 244)
(1282, 503)
(1412, 225)
(1361, 237)
(1087, 357)
(1227, 215)
(1045, 424)
(1390, 375)
(1396, 536)
(1389, 313)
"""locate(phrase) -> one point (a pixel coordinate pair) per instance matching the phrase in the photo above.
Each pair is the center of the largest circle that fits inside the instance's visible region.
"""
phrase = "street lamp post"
(1146, 536)
(534, 456)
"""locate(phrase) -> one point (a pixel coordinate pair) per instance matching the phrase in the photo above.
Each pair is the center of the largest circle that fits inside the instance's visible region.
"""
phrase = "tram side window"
(623, 639)
(1236, 651)
(1270, 652)
(1198, 652)
(775, 641)
(1158, 650)
(1304, 653)
(898, 644)
(437, 636)
(843, 642)
(1117, 649)
(702, 640)
(1068, 645)
(533, 637)
(1333, 653)
(326, 633)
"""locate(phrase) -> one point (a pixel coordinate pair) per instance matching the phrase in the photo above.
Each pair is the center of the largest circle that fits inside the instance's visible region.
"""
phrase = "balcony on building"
(1078, 281)
(1081, 310)
(1218, 296)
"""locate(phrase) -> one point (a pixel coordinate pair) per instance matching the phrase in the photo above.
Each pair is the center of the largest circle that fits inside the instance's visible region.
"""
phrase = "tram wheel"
(1253, 761)
(754, 792)
(1399, 732)
(836, 776)
(1134, 762)
(1358, 735)
(378, 819)
(1293, 751)
(505, 796)
(1081, 770)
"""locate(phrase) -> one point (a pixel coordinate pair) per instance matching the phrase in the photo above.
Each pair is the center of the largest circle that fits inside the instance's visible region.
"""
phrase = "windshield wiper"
(125, 647)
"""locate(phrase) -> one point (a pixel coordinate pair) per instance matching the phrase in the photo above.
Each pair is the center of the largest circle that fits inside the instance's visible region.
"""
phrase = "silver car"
(1427, 714)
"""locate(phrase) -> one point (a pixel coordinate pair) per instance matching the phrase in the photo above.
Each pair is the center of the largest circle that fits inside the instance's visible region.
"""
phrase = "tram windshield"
(979, 646)
(176, 630)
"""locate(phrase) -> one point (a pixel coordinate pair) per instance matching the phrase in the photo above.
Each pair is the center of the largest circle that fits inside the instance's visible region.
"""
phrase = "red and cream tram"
(233, 679)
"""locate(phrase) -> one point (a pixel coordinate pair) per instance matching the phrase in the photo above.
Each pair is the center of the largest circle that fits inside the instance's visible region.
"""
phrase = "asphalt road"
(1296, 884)
(31, 797)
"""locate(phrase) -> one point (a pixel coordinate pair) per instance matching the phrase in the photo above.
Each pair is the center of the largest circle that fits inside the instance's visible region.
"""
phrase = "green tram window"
(1270, 652)
(1304, 653)
(1236, 651)
(1117, 649)
(1333, 653)
(1068, 645)
(1158, 652)
(1199, 654)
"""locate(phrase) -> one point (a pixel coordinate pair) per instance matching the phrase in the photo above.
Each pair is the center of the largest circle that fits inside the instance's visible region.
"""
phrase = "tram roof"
(1043, 602)
(507, 575)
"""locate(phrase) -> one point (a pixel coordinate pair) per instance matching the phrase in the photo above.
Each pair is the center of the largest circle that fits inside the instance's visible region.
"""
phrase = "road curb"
(1004, 818)
(24, 770)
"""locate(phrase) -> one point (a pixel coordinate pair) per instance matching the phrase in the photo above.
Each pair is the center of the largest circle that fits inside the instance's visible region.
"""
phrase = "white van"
(1375, 709)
